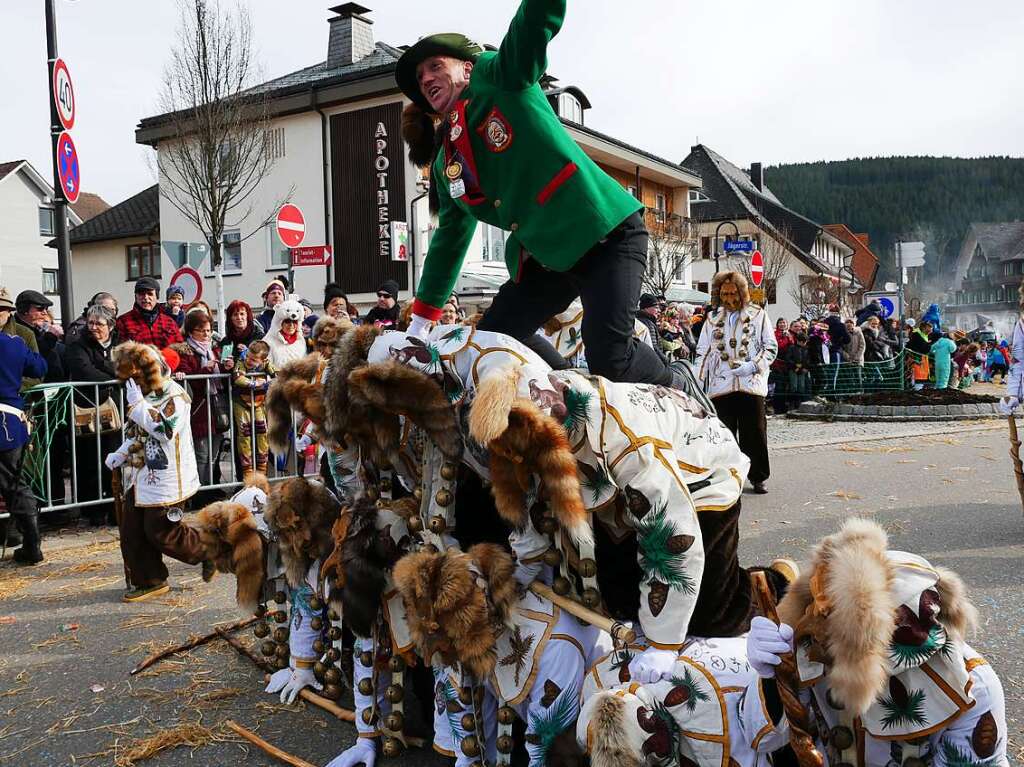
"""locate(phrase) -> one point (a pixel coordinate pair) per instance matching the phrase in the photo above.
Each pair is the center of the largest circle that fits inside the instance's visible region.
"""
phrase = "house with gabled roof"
(807, 267)
(983, 291)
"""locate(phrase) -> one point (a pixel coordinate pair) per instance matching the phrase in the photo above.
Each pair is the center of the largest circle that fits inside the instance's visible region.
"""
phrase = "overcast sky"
(782, 81)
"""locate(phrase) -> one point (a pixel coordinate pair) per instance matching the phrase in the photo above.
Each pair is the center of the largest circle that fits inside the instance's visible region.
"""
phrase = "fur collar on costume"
(350, 353)
(143, 363)
(457, 603)
(293, 387)
(301, 513)
(849, 605)
(230, 539)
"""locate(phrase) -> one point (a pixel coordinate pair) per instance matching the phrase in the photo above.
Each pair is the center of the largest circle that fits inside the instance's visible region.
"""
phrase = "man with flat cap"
(500, 155)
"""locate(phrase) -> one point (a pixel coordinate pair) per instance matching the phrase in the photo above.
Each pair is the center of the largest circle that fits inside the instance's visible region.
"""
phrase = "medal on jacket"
(456, 186)
(175, 514)
(459, 164)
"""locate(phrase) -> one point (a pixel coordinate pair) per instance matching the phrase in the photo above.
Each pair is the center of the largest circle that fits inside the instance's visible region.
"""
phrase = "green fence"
(846, 379)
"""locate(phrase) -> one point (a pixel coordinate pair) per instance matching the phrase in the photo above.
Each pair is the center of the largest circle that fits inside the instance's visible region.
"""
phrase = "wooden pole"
(189, 645)
(243, 650)
(618, 631)
(1018, 466)
(787, 680)
(274, 751)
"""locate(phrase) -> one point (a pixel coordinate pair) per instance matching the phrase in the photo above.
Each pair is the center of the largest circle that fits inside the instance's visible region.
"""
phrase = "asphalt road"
(66, 697)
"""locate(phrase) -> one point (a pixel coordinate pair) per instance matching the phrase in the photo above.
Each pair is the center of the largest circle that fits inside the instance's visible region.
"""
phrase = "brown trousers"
(146, 534)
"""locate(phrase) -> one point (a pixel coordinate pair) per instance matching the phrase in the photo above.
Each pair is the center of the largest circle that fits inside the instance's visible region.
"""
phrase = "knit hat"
(275, 284)
(390, 287)
(171, 357)
(175, 290)
(647, 300)
(333, 290)
(146, 283)
(5, 300)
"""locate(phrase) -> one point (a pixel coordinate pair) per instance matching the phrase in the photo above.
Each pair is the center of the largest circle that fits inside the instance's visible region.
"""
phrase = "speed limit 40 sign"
(63, 94)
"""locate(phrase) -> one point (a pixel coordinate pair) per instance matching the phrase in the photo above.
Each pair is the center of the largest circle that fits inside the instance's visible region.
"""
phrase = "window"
(143, 261)
(231, 250)
(696, 195)
(705, 247)
(748, 238)
(50, 282)
(493, 244)
(46, 221)
(280, 257)
(659, 208)
(704, 287)
(570, 108)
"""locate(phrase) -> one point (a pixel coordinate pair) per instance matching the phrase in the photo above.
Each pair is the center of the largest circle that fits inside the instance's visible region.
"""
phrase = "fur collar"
(230, 539)
(143, 363)
(301, 514)
(293, 387)
(350, 353)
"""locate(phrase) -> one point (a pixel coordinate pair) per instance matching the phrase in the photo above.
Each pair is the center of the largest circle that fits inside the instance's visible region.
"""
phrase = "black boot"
(30, 553)
(9, 534)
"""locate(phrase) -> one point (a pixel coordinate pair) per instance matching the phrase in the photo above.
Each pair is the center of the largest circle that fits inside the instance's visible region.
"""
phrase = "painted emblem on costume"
(456, 132)
(453, 116)
(496, 132)
(454, 171)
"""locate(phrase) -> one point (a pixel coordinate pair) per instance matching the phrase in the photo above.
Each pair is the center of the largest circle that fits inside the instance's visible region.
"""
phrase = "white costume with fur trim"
(730, 339)
(568, 337)
(282, 352)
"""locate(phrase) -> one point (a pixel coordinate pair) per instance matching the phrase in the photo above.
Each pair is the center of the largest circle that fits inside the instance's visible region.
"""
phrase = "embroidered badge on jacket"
(496, 132)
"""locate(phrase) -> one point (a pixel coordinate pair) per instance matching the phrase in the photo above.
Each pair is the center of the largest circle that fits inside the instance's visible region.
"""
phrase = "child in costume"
(250, 382)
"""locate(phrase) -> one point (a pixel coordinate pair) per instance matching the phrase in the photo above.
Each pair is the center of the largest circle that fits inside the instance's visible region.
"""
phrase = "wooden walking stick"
(190, 645)
(787, 680)
(619, 632)
(1018, 466)
(274, 751)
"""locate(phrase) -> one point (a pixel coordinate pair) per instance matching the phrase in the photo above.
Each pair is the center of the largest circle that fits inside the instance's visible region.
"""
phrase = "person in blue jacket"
(17, 361)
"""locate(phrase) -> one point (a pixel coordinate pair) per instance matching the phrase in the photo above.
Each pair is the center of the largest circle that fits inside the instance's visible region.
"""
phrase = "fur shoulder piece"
(419, 133)
(956, 611)
(293, 387)
(183, 349)
(330, 330)
(364, 568)
(141, 362)
(401, 390)
(228, 535)
(609, 730)
(350, 353)
(301, 513)
(845, 605)
(499, 571)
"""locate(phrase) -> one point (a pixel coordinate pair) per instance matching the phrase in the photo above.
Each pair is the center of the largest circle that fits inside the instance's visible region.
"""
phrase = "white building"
(26, 226)
(337, 136)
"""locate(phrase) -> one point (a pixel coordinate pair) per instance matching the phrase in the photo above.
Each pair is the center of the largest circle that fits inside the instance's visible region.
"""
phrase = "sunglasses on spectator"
(383, 295)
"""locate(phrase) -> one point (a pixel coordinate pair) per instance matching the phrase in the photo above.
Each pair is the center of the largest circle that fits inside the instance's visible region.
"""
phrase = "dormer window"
(570, 108)
(696, 195)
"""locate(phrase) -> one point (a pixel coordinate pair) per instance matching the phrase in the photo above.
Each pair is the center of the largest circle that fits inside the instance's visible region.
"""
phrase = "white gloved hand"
(652, 665)
(116, 459)
(419, 327)
(132, 392)
(278, 681)
(744, 369)
(301, 443)
(363, 752)
(765, 643)
(1008, 405)
(297, 679)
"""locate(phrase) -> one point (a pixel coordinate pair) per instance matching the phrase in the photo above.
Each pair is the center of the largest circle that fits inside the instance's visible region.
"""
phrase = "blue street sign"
(888, 309)
(67, 167)
(738, 246)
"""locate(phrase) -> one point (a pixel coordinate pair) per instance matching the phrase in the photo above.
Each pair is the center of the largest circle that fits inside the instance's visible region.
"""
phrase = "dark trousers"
(743, 414)
(608, 280)
(146, 534)
(18, 496)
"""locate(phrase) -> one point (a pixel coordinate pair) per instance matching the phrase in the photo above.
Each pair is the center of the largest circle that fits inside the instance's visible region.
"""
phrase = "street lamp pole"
(60, 203)
(736, 233)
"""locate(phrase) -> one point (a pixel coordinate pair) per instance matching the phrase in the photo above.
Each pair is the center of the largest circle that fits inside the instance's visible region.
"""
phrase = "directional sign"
(67, 168)
(887, 299)
(312, 255)
(291, 226)
(63, 94)
(757, 269)
(188, 280)
(738, 246)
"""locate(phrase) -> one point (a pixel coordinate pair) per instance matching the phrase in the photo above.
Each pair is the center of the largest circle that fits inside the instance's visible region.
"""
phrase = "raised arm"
(523, 55)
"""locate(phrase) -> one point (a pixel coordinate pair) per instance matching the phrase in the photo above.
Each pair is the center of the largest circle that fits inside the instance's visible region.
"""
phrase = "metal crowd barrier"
(55, 446)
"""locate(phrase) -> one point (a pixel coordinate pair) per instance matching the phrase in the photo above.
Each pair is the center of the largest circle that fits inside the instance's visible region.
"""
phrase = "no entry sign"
(291, 226)
(63, 94)
(757, 268)
(67, 168)
(188, 280)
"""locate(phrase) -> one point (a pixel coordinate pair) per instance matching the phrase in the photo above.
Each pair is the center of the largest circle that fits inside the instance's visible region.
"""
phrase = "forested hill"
(911, 198)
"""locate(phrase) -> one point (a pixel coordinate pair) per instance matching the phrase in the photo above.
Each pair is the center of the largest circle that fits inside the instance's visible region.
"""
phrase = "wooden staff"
(620, 633)
(787, 680)
(274, 751)
(1018, 466)
(189, 645)
(243, 650)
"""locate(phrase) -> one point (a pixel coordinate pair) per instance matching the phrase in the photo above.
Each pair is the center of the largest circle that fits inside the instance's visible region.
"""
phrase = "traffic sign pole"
(60, 204)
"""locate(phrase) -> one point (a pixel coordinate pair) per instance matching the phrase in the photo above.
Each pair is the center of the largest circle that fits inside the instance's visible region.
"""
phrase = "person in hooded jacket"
(873, 309)
(837, 333)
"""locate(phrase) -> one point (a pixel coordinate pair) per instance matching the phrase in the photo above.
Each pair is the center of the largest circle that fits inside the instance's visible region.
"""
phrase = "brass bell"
(443, 497)
(315, 604)
(391, 747)
(394, 693)
(468, 722)
(319, 670)
(280, 597)
(470, 746)
(449, 471)
(281, 651)
(505, 744)
(332, 615)
(268, 647)
(383, 503)
(316, 623)
(842, 737)
(552, 557)
(281, 616)
(334, 633)
(415, 525)
(262, 630)
(438, 525)
(588, 568)
(561, 586)
(591, 598)
(366, 686)
(280, 634)
(506, 715)
(372, 493)
(366, 658)
(397, 664)
(261, 611)
(318, 646)
(333, 654)
(725, 357)
(332, 691)
(280, 663)
(332, 676)
(395, 721)
(417, 493)
(369, 717)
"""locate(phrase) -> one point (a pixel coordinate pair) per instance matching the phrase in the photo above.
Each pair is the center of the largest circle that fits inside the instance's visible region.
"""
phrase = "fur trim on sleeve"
(230, 539)
(293, 387)
(956, 612)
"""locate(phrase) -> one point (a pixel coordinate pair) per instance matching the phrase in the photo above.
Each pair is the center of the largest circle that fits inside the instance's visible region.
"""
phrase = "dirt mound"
(923, 397)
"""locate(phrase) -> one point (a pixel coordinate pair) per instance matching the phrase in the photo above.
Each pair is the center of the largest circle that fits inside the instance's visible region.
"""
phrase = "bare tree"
(777, 260)
(672, 247)
(218, 150)
(815, 293)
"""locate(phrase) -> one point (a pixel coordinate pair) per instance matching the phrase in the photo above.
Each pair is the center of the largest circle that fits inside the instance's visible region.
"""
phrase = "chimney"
(351, 37)
(757, 176)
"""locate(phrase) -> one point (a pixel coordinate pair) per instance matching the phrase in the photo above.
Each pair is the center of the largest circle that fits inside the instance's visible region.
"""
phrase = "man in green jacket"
(500, 155)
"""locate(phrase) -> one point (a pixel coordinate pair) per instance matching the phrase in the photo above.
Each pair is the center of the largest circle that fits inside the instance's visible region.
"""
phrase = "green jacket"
(530, 179)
